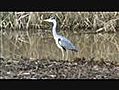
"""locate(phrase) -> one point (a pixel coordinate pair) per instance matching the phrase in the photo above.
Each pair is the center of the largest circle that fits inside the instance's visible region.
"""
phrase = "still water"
(42, 45)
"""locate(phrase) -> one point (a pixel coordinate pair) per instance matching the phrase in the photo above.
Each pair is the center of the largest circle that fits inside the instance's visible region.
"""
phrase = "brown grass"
(22, 33)
(94, 21)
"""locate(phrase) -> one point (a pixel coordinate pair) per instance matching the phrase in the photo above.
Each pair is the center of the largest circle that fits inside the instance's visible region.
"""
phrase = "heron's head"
(52, 19)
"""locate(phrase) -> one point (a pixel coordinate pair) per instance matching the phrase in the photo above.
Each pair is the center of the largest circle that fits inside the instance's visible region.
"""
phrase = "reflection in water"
(42, 45)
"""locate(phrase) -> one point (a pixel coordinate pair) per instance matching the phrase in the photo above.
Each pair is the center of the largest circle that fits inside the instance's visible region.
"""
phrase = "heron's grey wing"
(66, 44)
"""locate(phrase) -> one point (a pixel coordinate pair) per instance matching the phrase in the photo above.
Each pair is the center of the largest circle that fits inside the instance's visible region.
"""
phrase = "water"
(42, 45)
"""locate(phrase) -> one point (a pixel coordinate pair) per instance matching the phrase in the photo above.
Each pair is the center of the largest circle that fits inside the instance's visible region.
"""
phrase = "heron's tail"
(76, 50)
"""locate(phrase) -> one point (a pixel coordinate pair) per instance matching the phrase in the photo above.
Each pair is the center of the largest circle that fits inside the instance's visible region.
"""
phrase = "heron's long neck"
(54, 29)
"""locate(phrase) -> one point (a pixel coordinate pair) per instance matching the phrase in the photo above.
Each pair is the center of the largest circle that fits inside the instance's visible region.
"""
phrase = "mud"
(53, 69)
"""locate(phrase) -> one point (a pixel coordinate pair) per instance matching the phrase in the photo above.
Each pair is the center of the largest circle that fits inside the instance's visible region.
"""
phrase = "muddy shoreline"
(53, 69)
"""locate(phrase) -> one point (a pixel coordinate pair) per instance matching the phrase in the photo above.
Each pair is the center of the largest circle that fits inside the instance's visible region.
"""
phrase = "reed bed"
(22, 33)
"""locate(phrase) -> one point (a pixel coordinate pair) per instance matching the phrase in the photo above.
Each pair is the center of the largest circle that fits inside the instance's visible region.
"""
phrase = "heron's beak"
(46, 20)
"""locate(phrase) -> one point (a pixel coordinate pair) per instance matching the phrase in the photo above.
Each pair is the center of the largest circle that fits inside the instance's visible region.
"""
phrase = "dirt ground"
(52, 69)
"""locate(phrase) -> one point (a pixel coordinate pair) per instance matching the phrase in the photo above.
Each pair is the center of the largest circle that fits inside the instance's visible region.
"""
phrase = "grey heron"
(63, 43)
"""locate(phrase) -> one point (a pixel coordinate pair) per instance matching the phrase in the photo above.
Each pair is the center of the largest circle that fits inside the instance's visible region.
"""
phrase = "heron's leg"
(62, 54)
(67, 54)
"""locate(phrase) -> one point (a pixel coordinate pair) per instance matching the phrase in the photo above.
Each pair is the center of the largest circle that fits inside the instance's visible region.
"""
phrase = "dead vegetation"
(28, 51)
(53, 69)
(75, 21)
(22, 32)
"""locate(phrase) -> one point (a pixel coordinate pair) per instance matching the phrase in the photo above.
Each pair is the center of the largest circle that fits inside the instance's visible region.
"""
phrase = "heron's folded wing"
(66, 44)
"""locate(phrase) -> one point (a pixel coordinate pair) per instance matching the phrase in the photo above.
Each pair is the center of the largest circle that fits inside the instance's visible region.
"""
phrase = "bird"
(63, 43)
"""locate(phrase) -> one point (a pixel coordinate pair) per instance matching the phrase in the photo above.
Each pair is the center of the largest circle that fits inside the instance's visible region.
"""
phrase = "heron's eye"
(53, 17)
